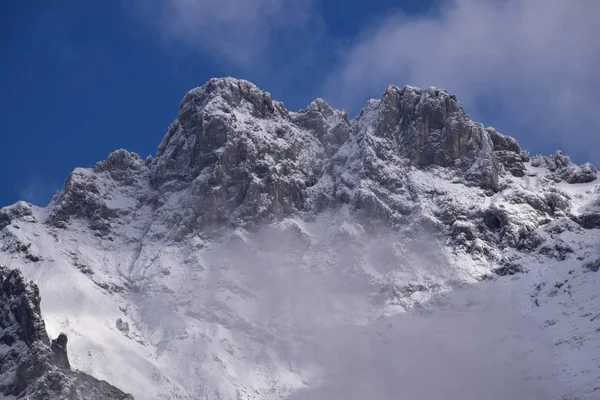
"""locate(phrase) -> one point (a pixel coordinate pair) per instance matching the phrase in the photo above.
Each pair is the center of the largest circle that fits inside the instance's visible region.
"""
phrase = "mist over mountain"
(409, 252)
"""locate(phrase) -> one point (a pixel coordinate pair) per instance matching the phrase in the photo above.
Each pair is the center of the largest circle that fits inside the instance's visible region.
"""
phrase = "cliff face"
(32, 367)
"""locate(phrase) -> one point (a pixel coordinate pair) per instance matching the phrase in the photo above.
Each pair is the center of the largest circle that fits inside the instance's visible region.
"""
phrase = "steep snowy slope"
(266, 254)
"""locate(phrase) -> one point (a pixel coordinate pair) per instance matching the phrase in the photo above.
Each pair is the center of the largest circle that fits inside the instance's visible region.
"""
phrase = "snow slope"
(266, 255)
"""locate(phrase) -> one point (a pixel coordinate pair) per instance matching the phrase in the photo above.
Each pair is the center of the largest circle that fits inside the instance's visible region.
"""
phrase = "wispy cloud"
(37, 191)
(237, 31)
(529, 66)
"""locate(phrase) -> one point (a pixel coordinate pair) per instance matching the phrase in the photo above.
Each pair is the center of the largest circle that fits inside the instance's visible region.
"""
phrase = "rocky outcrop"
(122, 166)
(30, 366)
(588, 220)
(59, 351)
(430, 127)
(562, 168)
(331, 127)
(209, 122)
(508, 153)
(88, 196)
(239, 153)
(20, 210)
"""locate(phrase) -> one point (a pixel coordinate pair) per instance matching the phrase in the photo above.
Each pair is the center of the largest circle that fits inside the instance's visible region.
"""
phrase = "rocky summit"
(270, 254)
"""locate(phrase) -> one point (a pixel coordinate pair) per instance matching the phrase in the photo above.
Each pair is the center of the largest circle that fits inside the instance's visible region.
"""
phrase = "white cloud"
(533, 66)
(37, 191)
(237, 31)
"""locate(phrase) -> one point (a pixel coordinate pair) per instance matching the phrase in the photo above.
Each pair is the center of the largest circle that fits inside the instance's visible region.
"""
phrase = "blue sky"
(80, 79)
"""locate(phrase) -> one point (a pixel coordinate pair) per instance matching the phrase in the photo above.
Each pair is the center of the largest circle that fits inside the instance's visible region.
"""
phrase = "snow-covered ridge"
(222, 267)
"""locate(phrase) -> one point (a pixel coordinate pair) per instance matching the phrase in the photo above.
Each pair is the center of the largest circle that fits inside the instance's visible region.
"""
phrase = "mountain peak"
(228, 93)
(430, 127)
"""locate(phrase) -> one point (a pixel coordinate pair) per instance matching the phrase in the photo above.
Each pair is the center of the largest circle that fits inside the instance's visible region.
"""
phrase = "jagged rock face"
(330, 126)
(235, 157)
(31, 367)
(562, 168)
(240, 154)
(21, 328)
(87, 196)
(430, 127)
(206, 123)
(508, 153)
(246, 158)
(21, 301)
(19, 210)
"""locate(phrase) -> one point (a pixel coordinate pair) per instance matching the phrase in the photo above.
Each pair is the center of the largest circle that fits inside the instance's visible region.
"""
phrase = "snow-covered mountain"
(266, 254)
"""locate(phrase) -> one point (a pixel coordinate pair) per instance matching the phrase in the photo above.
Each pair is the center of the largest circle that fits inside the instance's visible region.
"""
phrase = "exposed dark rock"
(529, 241)
(5, 219)
(235, 173)
(205, 122)
(84, 269)
(588, 220)
(86, 194)
(59, 351)
(561, 225)
(330, 126)
(123, 326)
(559, 251)
(80, 197)
(495, 219)
(30, 366)
(557, 200)
(73, 385)
(509, 269)
(536, 201)
(512, 162)
(563, 168)
(121, 165)
(14, 212)
(505, 143)
(430, 127)
(33, 257)
(119, 160)
(593, 266)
